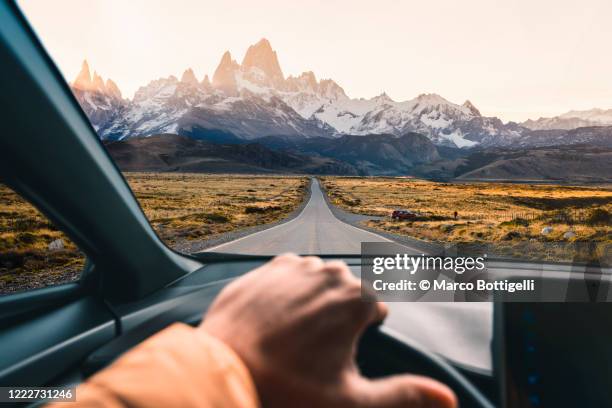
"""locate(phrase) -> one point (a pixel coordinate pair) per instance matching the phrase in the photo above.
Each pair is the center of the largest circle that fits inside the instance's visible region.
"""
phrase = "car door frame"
(51, 155)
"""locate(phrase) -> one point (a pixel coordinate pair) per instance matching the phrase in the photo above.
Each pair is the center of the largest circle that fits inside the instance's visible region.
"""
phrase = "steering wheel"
(381, 354)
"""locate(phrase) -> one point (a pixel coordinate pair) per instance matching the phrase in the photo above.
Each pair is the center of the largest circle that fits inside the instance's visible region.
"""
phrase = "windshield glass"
(267, 127)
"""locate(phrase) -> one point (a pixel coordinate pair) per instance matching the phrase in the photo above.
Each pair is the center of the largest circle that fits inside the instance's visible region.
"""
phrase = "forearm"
(179, 366)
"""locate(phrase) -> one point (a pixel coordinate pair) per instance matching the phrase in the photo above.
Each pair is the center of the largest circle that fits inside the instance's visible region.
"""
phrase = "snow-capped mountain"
(254, 99)
(444, 122)
(100, 100)
(572, 120)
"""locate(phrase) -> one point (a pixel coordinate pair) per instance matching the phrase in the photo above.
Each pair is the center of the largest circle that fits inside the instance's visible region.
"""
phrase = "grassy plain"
(187, 207)
(25, 258)
(510, 216)
(182, 208)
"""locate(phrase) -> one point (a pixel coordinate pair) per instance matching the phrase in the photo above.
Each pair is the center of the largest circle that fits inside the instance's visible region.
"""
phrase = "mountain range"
(254, 99)
(252, 118)
(572, 120)
(169, 153)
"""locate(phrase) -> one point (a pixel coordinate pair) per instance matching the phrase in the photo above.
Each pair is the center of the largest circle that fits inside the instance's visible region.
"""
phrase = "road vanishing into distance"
(314, 231)
(459, 331)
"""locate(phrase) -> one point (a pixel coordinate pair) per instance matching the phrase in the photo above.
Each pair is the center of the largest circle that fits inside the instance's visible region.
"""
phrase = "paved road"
(314, 231)
(459, 331)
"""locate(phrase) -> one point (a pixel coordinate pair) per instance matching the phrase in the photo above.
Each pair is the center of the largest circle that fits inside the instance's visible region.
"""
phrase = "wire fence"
(564, 216)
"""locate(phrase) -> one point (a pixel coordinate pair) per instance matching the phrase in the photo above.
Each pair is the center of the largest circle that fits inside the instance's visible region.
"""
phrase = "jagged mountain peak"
(309, 75)
(112, 89)
(88, 82)
(331, 90)
(97, 83)
(253, 99)
(206, 82)
(189, 77)
(572, 120)
(226, 57)
(431, 98)
(83, 78)
(263, 43)
(383, 98)
(227, 63)
(470, 106)
(262, 57)
(305, 82)
(224, 77)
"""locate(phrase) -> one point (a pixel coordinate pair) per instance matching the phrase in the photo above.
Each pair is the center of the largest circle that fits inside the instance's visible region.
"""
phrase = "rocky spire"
(224, 77)
(112, 89)
(206, 83)
(189, 77)
(330, 89)
(305, 82)
(264, 58)
(83, 79)
(97, 83)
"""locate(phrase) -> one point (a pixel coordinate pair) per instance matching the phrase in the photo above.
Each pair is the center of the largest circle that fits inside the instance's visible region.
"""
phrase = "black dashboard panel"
(57, 340)
(187, 300)
(547, 347)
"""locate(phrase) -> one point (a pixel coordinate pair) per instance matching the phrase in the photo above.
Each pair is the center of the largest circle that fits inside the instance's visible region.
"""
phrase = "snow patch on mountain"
(253, 99)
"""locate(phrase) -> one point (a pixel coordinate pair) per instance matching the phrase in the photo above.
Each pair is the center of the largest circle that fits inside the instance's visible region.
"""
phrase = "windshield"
(267, 127)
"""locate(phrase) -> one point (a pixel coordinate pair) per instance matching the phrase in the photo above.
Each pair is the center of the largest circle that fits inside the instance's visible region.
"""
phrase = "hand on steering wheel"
(295, 323)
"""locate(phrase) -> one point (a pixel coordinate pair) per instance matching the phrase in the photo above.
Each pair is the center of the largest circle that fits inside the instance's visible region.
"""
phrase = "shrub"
(217, 217)
(511, 235)
(26, 238)
(251, 209)
(25, 224)
(517, 222)
(351, 203)
(598, 216)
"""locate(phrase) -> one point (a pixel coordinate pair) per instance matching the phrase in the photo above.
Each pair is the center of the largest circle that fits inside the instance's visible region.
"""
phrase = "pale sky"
(515, 59)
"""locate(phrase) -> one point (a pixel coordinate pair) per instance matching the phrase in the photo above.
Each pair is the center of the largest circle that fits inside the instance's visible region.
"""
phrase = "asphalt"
(314, 231)
(458, 331)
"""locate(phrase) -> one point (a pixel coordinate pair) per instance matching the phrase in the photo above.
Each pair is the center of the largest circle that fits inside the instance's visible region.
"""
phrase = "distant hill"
(408, 155)
(370, 154)
(167, 153)
(576, 164)
(592, 135)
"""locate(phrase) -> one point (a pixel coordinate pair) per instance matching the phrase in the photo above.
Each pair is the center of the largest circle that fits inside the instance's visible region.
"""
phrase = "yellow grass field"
(508, 215)
(181, 207)
(25, 259)
(199, 206)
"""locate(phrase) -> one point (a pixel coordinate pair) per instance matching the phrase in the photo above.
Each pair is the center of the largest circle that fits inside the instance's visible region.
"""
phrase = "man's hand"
(295, 323)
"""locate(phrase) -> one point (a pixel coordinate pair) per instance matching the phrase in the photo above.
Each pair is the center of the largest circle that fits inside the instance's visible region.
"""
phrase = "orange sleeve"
(178, 367)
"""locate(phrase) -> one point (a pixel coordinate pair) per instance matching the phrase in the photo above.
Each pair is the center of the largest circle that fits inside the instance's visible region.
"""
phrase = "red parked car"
(403, 215)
